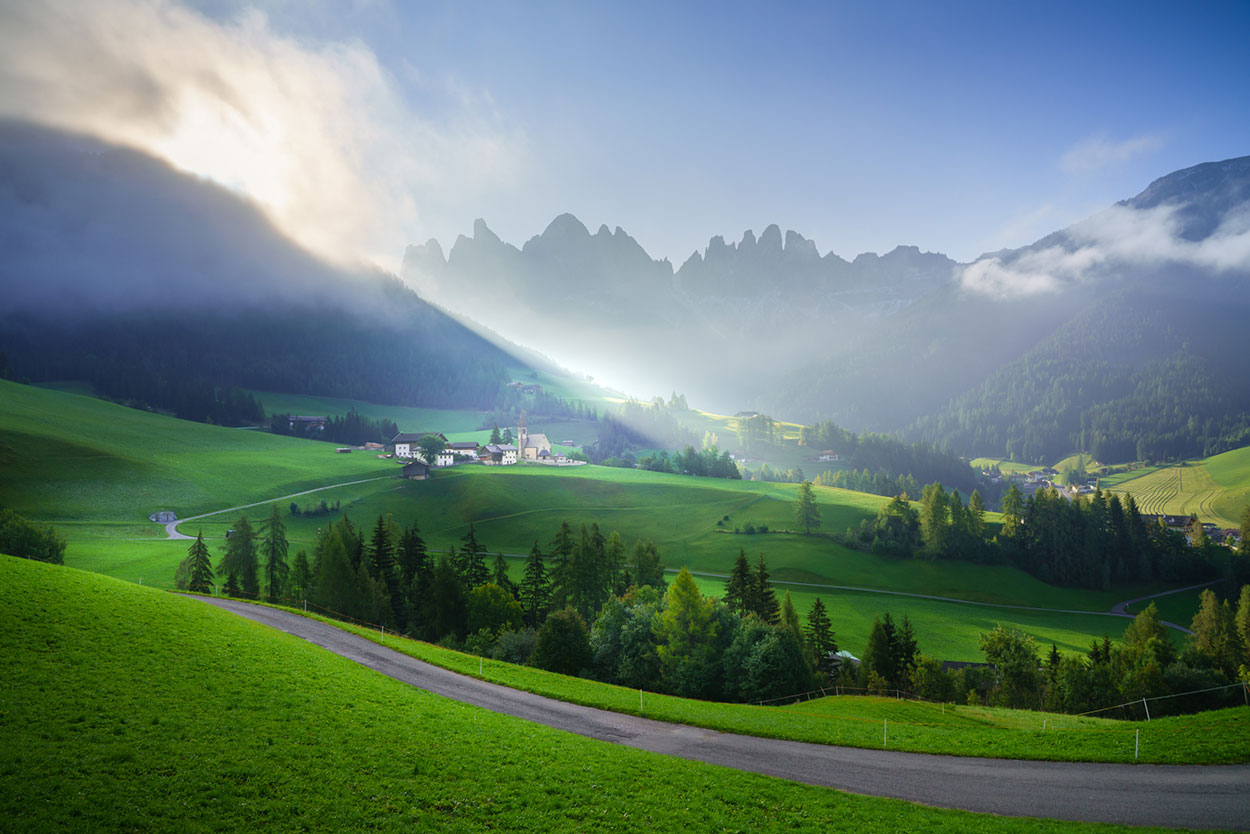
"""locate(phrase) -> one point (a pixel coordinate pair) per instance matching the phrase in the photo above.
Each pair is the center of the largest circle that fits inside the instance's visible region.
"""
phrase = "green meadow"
(96, 470)
(127, 709)
(78, 460)
(1216, 489)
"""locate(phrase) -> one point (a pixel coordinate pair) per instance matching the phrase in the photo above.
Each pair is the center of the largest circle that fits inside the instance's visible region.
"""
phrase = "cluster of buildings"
(529, 447)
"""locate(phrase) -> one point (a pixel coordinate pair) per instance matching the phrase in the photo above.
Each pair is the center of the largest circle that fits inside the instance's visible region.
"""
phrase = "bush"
(563, 644)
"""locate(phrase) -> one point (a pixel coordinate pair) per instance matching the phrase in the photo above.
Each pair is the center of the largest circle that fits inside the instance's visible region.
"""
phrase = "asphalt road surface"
(1166, 795)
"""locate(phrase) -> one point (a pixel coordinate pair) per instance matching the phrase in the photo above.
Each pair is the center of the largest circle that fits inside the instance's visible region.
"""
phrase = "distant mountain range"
(1030, 352)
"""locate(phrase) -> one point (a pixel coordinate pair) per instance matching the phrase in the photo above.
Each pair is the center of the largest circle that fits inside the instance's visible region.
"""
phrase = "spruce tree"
(790, 619)
(473, 570)
(821, 642)
(738, 592)
(534, 587)
(500, 576)
(201, 567)
(274, 550)
(240, 560)
(805, 510)
(765, 598)
(301, 576)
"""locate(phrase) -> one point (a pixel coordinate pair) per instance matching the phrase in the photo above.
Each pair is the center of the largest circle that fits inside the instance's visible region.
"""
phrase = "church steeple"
(522, 435)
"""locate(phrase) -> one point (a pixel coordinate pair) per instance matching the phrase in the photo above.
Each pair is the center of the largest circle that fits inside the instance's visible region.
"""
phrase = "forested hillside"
(167, 291)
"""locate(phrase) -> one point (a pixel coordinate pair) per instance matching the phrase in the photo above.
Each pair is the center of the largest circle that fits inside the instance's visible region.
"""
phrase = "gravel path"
(1174, 796)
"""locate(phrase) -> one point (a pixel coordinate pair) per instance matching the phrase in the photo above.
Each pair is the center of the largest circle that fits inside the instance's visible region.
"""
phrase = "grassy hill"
(129, 709)
(96, 470)
(1216, 489)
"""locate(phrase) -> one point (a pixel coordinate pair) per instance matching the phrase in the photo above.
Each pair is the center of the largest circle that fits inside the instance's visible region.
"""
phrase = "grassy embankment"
(856, 721)
(129, 709)
(96, 470)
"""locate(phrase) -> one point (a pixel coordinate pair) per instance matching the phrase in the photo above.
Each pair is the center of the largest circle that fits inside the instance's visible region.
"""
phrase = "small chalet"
(415, 471)
(828, 455)
(499, 454)
(463, 448)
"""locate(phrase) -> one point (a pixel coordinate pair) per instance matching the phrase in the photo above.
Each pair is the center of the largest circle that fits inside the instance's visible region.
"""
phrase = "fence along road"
(1161, 795)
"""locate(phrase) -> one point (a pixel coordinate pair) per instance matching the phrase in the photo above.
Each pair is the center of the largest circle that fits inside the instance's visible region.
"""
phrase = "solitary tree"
(431, 446)
(805, 509)
(820, 640)
(201, 567)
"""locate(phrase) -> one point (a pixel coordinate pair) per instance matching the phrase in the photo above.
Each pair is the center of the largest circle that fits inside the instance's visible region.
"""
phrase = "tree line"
(352, 428)
(28, 540)
(708, 463)
(891, 458)
(1089, 541)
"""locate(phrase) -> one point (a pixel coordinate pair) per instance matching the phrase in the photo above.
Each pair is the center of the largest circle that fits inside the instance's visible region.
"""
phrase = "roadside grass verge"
(129, 709)
(1218, 737)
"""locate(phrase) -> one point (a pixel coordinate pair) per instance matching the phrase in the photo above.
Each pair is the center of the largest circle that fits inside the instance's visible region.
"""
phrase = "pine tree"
(821, 643)
(738, 592)
(274, 549)
(534, 587)
(1215, 633)
(301, 576)
(647, 567)
(765, 598)
(495, 437)
(805, 510)
(790, 619)
(976, 514)
(201, 567)
(473, 570)
(500, 576)
(1013, 512)
(240, 560)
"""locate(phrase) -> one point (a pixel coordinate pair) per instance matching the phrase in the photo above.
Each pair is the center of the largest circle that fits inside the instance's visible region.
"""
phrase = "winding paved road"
(1191, 797)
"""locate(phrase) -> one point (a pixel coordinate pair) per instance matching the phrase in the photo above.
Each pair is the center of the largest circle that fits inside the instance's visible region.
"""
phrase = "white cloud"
(1117, 238)
(1099, 151)
(319, 134)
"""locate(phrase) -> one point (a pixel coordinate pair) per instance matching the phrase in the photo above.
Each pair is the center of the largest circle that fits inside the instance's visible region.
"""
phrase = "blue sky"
(959, 127)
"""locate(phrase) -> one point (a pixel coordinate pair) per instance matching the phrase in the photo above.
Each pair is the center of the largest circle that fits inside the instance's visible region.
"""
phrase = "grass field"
(67, 458)
(1216, 489)
(126, 709)
(1214, 737)
(127, 463)
(1003, 465)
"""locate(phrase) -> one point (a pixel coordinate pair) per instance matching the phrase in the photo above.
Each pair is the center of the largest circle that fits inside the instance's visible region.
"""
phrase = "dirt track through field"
(1192, 797)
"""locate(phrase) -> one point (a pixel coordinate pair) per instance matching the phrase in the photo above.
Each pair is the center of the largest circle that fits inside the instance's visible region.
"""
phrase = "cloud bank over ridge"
(1116, 239)
(318, 134)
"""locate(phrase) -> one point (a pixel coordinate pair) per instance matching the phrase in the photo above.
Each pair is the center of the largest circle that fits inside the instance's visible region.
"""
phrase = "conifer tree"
(805, 510)
(273, 549)
(790, 619)
(495, 438)
(534, 587)
(647, 567)
(1215, 633)
(1013, 512)
(738, 585)
(201, 567)
(976, 514)
(473, 570)
(240, 560)
(764, 597)
(301, 576)
(821, 642)
(500, 576)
